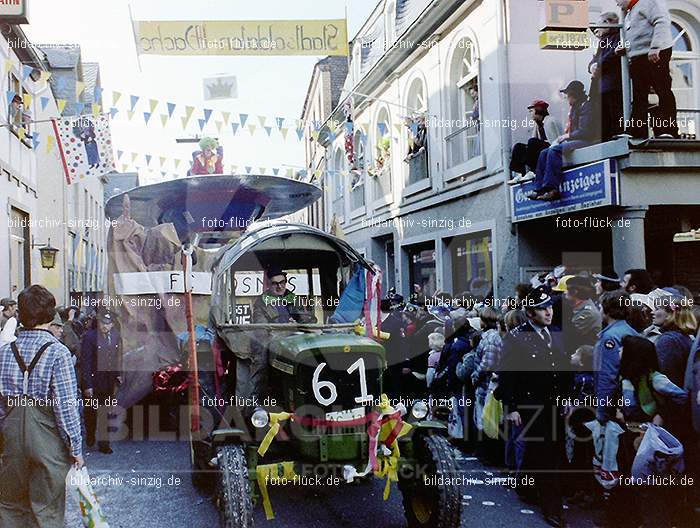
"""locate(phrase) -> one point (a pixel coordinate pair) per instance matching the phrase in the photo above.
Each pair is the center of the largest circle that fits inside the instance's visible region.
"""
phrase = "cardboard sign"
(566, 14)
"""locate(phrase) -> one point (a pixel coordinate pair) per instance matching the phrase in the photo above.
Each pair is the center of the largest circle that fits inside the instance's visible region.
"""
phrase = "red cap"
(539, 103)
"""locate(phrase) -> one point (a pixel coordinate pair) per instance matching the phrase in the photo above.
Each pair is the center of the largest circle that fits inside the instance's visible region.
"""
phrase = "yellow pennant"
(9, 65)
(262, 170)
(227, 116)
(79, 88)
(44, 76)
(27, 100)
(134, 155)
(290, 173)
(177, 163)
(262, 120)
(184, 122)
(50, 142)
(188, 112)
(164, 119)
(130, 113)
(251, 129)
(163, 159)
(21, 133)
(96, 109)
(234, 168)
(153, 103)
(284, 132)
(115, 97)
(315, 134)
(219, 124)
(61, 105)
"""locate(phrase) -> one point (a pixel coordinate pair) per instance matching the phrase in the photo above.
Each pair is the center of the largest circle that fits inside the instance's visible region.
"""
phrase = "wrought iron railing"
(464, 144)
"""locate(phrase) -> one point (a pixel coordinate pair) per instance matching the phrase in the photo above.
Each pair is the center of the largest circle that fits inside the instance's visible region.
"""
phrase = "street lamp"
(48, 254)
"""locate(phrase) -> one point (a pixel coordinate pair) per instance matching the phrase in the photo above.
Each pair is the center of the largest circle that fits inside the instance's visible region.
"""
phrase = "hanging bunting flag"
(27, 100)
(44, 101)
(35, 140)
(79, 108)
(235, 126)
(115, 97)
(148, 159)
(79, 88)
(262, 170)
(120, 153)
(234, 169)
(219, 124)
(207, 114)
(21, 133)
(398, 129)
(61, 105)
(10, 96)
(96, 109)
(98, 93)
(177, 163)
(300, 133)
(50, 142)
(275, 171)
(134, 100)
(147, 117)
(248, 169)
(91, 155)
(382, 129)
(188, 112)
(171, 109)
(44, 76)
(300, 123)
(280, 122)
(9, 64)
(134, 155)
(164, 119)
(262, 120)
(202, 122)
(284, 132)
(113, 111)
(153, 103)
(26, 71)
(251, 128)
(315, 134)
(268, 130)
(227, 116)
(244, 118)
(290, 173)
(162, 160)
(184, 122)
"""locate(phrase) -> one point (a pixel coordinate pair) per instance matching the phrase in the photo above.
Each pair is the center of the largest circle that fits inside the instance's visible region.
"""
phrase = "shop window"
(464, 137)
(684, 77)
(422, 270)
(472, 264)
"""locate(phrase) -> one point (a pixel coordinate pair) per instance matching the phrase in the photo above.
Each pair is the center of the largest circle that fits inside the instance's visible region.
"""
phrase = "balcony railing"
(464, 144)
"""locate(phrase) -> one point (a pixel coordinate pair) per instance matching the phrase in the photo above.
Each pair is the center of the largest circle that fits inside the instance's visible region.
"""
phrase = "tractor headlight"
(260, 418)
(419, 410)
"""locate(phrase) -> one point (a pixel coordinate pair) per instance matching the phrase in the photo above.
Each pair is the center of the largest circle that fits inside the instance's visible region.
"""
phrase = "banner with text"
(244, 37)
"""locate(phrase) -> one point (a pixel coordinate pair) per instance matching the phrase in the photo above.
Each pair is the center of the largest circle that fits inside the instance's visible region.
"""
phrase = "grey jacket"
(648, 26)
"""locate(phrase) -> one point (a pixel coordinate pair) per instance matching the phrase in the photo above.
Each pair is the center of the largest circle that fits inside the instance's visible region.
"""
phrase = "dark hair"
(489, 318)
(36, 305)
(638, 358)
(514, 318)
(641, 280)
(522, 289)
(639, 316)
(615, 304)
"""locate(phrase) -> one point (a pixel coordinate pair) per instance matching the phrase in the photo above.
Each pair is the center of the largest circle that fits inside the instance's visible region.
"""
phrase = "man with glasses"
(278, 304)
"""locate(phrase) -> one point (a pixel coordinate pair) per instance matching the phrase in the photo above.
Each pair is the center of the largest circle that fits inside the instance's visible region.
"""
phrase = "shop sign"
(585, 187)
(13, 11)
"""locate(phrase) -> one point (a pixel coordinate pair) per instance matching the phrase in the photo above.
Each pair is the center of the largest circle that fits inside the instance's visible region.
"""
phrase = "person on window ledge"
(524, 157)
(606, 77)
(580, 132)
(649, 48)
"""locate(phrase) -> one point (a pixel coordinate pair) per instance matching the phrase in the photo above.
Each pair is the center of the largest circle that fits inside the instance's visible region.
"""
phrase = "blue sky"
(269, 86)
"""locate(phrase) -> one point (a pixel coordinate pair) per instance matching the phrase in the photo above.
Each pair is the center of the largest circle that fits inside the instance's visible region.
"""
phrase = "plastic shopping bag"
(492, 416)
(78, 482)
(606, 442)
(660, 453)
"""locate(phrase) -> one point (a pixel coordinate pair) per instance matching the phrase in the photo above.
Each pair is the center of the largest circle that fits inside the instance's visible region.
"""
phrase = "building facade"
(441, 217)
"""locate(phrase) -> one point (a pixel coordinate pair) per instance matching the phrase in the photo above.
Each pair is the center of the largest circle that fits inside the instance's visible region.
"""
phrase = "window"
(18, 118)
(472, 264)
(357, 182)
(390, 27)
(463, 140)
(416, 159)
(381, 169)
(337, 191)
(422, 270)
(20, 251)
(684, 78)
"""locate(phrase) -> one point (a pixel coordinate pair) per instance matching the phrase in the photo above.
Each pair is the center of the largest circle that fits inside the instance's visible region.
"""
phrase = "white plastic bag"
(79, 486)
(660, 453)
(606, 442)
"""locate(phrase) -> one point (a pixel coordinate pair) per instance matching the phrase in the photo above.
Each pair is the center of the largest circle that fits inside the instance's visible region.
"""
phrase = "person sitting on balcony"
(580, 132)
(523, 160)
(606, 77)
(649, 47)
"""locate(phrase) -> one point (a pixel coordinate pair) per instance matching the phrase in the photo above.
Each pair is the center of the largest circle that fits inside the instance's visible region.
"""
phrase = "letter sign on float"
(13, 11)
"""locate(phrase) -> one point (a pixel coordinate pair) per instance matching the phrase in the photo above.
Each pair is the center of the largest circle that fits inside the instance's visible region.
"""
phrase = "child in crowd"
(435, 343)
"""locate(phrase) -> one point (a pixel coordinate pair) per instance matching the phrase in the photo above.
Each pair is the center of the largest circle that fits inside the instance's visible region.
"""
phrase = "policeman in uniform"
(586, 320)
(534, 376)
(101, 360)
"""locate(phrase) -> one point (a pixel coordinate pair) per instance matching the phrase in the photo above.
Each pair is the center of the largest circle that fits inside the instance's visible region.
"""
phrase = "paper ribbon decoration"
(153, 103)
(61, 105)
(79, 88)
(27, 100)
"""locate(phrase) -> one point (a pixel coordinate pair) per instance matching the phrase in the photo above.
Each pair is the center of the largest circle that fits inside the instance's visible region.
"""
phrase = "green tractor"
(304, 398)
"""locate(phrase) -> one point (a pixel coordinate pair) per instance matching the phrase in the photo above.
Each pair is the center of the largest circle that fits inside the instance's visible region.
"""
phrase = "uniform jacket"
(101, 362)
(586, 322)
(532, 373)
(648, 26)
(606, 367)
(265, 312)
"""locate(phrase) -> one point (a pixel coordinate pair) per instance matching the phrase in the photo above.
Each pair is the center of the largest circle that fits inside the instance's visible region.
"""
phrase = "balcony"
(464, 144)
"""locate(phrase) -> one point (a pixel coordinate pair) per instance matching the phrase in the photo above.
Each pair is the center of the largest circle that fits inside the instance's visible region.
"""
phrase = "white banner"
(149, 282)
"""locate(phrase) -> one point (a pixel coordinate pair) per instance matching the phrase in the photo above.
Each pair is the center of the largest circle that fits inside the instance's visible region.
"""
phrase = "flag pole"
(136, 42)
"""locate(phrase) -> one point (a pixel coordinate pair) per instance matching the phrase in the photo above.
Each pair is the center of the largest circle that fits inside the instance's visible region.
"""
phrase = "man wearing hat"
(586, 319)
(534, 376)
(582, 130)
(524, 157)
(606, 281)
(9, 309)
(101, 360)
(606, 77)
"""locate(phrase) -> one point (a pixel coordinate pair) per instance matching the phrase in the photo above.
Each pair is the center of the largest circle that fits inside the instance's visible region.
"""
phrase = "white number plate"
(344, 416)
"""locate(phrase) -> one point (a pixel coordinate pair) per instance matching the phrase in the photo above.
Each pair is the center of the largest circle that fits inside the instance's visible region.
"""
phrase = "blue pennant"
(35, 139)
(113, 111)
(134, 100)
(275, 171)
(44, 102)
(268, 130)
(171, 109)
(382, 129)
(202, 122)
(248, 169)
(26, 72)
(147, 116)
(300, 133)
(98, 93)
(207, 114)
(79, 108)
(280, 122)
(120, 153)
(244, 118)
(148, 159)
(10, 96)
(235, 126)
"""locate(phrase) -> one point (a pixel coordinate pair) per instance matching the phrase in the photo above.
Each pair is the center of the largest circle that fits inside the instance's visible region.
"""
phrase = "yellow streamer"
(283, 470)
(275, 419)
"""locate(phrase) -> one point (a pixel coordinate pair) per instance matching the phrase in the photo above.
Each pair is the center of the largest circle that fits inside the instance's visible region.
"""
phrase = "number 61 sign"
(331, 389)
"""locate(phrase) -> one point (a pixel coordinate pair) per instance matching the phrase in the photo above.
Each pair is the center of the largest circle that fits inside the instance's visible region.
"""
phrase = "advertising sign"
(565, 26)
(13, 11)
(243, 37)
(585, 187)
